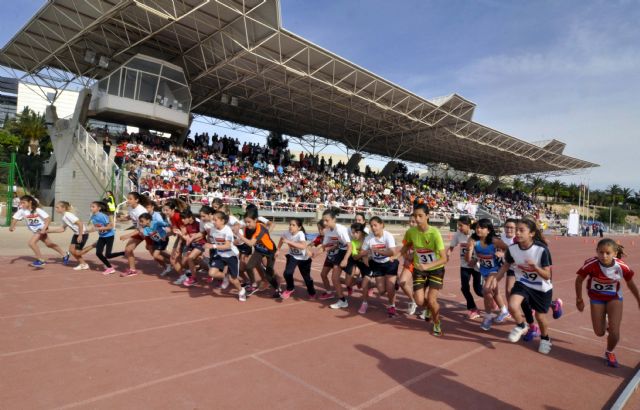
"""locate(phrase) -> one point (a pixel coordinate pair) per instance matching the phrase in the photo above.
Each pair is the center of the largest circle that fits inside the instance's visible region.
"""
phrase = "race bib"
(156, 236)
(529, 277)
(603, 288)
(425, 256)
(295, 251)
(486, 263)
(31, 221)
(463, 250)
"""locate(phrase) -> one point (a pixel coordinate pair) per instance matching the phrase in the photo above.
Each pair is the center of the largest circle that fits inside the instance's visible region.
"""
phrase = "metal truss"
(243, 67)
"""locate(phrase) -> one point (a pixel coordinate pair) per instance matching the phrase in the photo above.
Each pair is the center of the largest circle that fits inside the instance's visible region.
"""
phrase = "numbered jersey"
(427, 245)
(518, 257)
(487, 260)
(460, 239)
(604, 281)
(339, 237)
(134, 215)
(220, 237)
(34, 219)
(374, 244)
(297, 253)
(156, 231)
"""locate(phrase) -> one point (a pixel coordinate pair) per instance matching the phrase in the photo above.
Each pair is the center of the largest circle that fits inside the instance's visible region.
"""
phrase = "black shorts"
(218, 262)
(362, 267)
(83, 241)
(244, 249)
(433, 279)
(335, 259)
(194, 245)
(389, 268)
(159, 245)
(538, 300)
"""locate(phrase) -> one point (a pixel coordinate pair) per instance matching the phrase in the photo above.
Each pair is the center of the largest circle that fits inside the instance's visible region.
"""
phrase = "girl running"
(467, 271)
(137, 204)
(190, 234)
(296, 240)
(223, 253)
(406, 276)
(172, 211)
(257, 235)
(106, 233)
(380, 247)
(429, 258)
(604, 274)
(38, 222)
(80, 235)
(337, 243)
(484, 244)
(530, 260)
(158, 233)
(356, 260)
(190, 277)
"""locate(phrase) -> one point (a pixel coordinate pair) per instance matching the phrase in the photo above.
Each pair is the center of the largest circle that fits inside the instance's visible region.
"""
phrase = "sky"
(568, 69)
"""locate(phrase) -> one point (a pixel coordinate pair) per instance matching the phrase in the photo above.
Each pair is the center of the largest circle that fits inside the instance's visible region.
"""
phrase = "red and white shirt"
(604, 281)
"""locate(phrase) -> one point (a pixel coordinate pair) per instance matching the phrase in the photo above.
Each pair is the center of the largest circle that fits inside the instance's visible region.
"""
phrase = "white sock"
(504, 309)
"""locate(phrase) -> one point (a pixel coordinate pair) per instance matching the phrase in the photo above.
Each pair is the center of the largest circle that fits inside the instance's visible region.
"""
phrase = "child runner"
(406, 276)
(257, 235)
(604, 274)
(467, 271)
(136, 203)
(106, 233)
(190, 234)
(484, 244)
(296, 240)
(356, 259)
(80, 235)
(190, 276)
(530, 260)
(172, 211)
(429, 258)
(337, 243)
(222, 252)
(158, 232)
(380, 246)
(38, 222)
(361, 218)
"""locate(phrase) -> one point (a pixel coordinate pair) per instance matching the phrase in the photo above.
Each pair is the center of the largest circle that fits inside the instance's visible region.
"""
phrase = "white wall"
(34, 97)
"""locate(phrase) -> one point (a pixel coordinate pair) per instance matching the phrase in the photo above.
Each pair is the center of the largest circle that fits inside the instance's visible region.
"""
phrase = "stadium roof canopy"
(244, 67)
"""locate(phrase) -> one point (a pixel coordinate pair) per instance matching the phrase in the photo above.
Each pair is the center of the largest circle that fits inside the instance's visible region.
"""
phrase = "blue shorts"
(218, 262)
(604, 302)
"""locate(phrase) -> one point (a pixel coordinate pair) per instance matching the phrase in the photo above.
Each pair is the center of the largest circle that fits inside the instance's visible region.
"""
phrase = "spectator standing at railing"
(106, 144)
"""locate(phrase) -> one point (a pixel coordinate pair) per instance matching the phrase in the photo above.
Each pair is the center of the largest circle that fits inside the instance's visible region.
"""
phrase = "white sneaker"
(167, 270)
(82, 266)
(242, 295)
(225, 282)
(545, 346)
(487, 322)
(340, 304)
(411, 308)
(517, 332)
(423, 314)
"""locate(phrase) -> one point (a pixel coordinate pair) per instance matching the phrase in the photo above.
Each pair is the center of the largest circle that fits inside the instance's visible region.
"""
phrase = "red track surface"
(72, 339)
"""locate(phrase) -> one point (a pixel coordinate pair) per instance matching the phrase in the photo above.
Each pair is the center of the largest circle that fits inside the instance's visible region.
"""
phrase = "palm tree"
(626, 193)
(613, 191)
(518, 184)
(555, 187)
(536, 184)
(30, 126)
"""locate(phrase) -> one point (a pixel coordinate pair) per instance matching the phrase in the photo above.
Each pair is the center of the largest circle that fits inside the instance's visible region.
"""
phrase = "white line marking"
(593, 340)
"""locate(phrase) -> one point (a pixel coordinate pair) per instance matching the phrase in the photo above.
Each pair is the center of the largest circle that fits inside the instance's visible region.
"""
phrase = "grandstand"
(240, 64)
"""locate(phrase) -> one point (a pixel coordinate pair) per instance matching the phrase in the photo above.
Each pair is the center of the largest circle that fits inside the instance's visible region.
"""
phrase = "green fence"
(9, 175)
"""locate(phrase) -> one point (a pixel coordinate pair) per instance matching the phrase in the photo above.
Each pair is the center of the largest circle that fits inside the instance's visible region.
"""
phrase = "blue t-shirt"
(157, 217)
(100, 220)
(156, 231)
(487, 258)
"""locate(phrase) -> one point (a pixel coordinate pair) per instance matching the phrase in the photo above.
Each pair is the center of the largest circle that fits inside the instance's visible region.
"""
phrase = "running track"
(82, 340)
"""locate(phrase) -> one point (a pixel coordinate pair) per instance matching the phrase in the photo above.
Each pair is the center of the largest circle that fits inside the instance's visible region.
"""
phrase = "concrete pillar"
(353, 162)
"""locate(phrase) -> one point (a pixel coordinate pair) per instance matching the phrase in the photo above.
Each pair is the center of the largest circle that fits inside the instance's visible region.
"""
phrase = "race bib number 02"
(607, 288)
(425, 256)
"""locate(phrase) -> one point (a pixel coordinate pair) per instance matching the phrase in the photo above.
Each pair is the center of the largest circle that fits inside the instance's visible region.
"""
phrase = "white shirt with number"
(460, 239)
(518, 257)
(219, 237)
(339, 237)
(134, 215)
(35, 219)
(373, 243)
(69, 220)
(297, 253)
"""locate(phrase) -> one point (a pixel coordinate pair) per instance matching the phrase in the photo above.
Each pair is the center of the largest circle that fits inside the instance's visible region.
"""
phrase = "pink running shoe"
(286, 294)
(474, 314)
(363, 308)
(556, 305)
(189, 282)
(326, 296)
(108, 271)
(129, 272)
(370, 292)
(391, 311)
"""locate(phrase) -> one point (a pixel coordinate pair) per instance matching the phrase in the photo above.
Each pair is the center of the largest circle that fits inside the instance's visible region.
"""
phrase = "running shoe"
(437, 330)
(129, 272)
(276, 294)
(411, 308)
(189, 282)
(517, 332)
(534, 331)
(611, 360)
(167, 270)
(363, 308)
(108, 271)
(225, 282)
(82, 266)
(556, 305)
(287, 293)
(65, 258)
(423, 315)
(473, 314)
(38, 263)
(242, 295)
(427, 315)
(340, 304)
(391, 311)
(326, 295)
(487, 322)
(181, 279)
(252, 290)
(503, 316)
(545, 346)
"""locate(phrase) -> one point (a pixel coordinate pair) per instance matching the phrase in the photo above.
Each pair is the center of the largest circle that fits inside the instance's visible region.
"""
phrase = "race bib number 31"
(425, 256)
